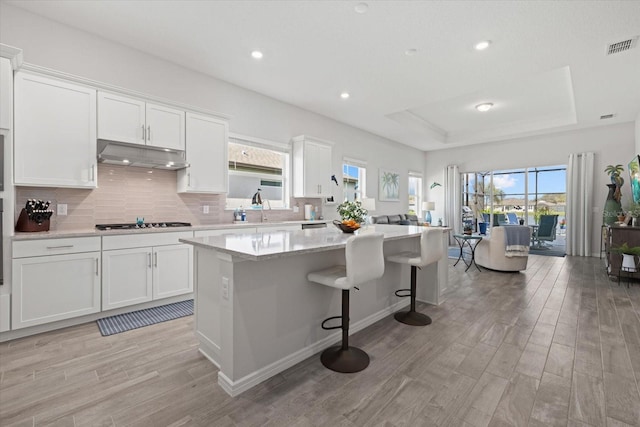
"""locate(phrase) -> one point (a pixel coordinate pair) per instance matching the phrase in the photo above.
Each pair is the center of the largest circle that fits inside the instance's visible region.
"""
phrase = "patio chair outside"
(546, 231)
(513, 218)
(500, 219)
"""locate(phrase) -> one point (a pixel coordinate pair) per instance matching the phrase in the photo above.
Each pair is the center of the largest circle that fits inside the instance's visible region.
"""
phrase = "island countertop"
(277, 244)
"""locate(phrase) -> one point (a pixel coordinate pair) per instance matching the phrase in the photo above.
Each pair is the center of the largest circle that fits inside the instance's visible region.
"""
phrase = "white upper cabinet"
(206, 145)
(6, 93)
(165, 127)
(134, 121)
(121, 118)
(311, 167)
(55, 133)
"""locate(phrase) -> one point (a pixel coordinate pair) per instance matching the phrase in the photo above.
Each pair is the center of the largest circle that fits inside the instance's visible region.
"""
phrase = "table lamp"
(428, 207)
(369, 204)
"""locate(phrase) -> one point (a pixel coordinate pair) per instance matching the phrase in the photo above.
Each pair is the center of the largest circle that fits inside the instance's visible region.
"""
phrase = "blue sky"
(548, 181)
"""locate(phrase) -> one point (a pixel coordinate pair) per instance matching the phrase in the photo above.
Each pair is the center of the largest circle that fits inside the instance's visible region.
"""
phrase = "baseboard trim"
(46, 327)
(234, 388)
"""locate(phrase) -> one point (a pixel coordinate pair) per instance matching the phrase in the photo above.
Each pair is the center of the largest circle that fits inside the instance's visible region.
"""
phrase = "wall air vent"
(621, 46)
(607, 116)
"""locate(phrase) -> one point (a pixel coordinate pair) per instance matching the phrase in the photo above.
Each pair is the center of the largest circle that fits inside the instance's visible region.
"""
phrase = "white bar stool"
(364, 262)
(431, 250)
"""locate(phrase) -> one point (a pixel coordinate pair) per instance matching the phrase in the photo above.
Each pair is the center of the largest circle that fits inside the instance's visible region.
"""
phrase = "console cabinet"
(616, 236)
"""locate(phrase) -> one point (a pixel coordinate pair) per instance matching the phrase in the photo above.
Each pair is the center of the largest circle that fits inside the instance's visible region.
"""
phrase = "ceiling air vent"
(621, 46)
(607, 116)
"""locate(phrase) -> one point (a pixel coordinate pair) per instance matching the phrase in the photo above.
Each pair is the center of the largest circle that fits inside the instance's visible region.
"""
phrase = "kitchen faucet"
(264, 215)
(258, 200)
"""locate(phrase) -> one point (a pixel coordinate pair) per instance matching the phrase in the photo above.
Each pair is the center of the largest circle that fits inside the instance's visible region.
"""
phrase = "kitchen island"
(257, 315)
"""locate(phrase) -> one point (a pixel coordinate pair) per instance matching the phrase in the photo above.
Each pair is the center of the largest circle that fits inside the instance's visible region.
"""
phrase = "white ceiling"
(546, 69)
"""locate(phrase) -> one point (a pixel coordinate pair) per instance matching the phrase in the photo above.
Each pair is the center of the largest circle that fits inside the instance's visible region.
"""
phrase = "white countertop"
(58, 234)
(276, 244)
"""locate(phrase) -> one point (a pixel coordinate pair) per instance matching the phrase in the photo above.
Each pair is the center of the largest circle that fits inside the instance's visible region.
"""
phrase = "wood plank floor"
(558, 345)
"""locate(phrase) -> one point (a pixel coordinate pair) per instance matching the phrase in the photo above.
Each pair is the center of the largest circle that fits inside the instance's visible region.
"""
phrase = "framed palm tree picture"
(389, 189)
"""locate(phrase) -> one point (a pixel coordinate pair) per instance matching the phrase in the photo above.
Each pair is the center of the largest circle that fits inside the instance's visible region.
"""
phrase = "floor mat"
(141, 318)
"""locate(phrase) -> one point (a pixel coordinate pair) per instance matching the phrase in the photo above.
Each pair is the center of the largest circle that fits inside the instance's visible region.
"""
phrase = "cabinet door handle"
(155, 259)
(97, 267)
(149, 133)
(188, 180)
(60, 247)
(149, 256)
(93, 172)
(144, 133)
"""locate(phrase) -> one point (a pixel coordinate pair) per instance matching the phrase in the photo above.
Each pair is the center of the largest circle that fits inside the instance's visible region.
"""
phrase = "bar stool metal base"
(412, 318)
(346, 361)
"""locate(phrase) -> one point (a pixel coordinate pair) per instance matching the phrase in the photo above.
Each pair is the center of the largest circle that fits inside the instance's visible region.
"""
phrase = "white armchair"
(491, 252)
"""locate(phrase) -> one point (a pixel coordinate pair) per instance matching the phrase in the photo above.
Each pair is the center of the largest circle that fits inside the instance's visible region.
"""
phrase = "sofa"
(491, 252)
(399, 219)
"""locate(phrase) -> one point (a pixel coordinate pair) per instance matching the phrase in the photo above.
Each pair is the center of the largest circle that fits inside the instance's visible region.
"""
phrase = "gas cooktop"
(134, 226)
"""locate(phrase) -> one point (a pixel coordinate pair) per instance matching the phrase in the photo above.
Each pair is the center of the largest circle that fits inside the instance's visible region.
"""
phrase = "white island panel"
(256, 313)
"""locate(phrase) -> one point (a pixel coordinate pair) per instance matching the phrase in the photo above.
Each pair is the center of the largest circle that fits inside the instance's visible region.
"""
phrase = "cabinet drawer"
(31, 248)
(124, 241)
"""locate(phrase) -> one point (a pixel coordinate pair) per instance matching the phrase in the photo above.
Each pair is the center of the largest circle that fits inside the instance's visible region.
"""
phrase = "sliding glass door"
(515, 196)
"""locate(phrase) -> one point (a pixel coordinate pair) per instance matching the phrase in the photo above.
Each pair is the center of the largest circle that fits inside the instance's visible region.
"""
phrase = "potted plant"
(352, 211)
(629, 254)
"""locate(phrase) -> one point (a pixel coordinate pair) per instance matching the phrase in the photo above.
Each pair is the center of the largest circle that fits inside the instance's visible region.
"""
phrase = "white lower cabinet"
(172, 272)
(127, 277)
(56, 287)
(133, 275)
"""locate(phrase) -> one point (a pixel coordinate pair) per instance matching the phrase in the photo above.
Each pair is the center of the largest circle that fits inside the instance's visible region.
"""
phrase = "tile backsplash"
(125, 193)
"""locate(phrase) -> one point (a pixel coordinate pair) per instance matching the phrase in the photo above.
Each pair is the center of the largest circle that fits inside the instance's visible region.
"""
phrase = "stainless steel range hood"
(119, 153)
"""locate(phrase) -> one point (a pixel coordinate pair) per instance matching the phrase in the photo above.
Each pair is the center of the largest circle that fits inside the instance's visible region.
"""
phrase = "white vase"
(629, 263)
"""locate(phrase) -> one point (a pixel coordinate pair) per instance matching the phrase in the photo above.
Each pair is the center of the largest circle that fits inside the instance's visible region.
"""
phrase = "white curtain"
(453, 199)
(579, 203)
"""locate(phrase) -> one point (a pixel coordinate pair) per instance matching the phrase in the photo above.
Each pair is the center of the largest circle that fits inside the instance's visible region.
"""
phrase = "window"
(415, 193)
(514, 195)
(354, 179)
(254, 166)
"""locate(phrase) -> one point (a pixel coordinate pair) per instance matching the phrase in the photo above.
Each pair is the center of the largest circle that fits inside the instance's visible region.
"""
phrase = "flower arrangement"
(352, 211)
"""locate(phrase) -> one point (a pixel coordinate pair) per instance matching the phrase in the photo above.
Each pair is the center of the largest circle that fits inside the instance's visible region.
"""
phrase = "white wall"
(613, 144)
(49, 44)
(638, 134)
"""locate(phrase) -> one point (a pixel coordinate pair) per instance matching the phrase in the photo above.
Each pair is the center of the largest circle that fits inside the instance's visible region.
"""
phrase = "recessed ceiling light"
(410, 52)
(484, 107)
(483, 45)
(361, 8)
(344, 95)
(125, 161)
(256, 54)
